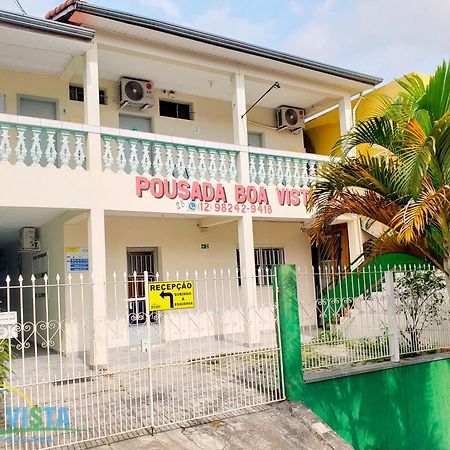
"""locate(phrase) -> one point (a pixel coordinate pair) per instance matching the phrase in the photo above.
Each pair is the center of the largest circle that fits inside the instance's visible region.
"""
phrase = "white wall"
(178, 242)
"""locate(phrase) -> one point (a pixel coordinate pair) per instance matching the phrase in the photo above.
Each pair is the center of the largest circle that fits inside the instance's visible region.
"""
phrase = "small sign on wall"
(77, 259)
(8, 325)
(167, 295)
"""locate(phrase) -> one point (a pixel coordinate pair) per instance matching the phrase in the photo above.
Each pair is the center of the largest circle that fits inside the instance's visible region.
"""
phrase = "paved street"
(284, 426)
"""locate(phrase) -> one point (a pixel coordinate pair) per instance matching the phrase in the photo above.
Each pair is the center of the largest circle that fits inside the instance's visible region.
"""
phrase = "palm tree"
(406, 188)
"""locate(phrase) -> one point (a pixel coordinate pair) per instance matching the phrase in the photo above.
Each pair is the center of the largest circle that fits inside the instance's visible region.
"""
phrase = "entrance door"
(330, 258)
(140, 260)
(333, 252)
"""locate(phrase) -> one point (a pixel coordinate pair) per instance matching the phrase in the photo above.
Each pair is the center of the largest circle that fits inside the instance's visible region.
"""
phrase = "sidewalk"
(281, 426)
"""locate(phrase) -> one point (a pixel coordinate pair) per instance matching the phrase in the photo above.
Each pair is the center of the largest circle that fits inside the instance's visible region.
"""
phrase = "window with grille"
(265, 259)
(139, 261)
(76, 93)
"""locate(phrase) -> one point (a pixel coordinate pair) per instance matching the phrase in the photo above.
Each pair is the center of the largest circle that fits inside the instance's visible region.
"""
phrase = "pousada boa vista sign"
(220, 197)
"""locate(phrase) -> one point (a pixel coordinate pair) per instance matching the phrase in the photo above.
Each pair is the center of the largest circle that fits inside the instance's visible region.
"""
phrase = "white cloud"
(297, 7)
(168, 7)
(324, 7)
(379, 37)
(221, 20)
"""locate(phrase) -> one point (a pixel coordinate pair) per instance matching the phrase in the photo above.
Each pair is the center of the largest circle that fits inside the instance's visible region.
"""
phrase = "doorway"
(141, 260)
(333, 252)
(331, 260)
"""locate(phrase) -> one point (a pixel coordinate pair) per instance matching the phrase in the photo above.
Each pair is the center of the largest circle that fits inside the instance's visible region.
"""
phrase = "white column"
(239, 108)
(346, 118)
(245, 223)
(355, 238)
(97, 260)
(92, 107)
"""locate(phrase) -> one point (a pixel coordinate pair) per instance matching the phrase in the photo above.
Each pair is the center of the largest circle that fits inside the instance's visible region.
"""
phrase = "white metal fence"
(72, 377)
(370, 315)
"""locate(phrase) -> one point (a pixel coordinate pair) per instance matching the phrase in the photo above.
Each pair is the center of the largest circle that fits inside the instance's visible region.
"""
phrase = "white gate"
(203, 363)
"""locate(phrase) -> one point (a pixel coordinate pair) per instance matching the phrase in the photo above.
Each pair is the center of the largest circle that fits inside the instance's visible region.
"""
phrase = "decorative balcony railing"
(273, 167)
(168, 160)
(29, 141)
(31, 144)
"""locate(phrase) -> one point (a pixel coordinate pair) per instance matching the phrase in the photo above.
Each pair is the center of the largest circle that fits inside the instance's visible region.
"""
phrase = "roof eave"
(47, 26)
(216, 40)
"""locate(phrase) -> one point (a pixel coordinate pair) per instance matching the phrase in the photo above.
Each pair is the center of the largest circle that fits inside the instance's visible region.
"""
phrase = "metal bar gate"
(162, 367)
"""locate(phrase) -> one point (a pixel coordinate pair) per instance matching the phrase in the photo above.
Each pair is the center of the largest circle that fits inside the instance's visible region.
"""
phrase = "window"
(265, 259)
(76, 93)
(175, 110)
(255, 139)
(139, 261)
(42, 108)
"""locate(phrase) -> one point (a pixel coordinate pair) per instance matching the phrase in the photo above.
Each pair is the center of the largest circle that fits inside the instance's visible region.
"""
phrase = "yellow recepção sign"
(167, 295)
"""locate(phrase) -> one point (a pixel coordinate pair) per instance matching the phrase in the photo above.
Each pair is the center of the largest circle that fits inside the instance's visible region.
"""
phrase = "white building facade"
(183, 180)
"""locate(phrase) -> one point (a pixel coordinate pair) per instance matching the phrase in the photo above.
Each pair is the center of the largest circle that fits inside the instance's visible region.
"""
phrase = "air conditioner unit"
(290, 118)
(29, 239)
(135, 93)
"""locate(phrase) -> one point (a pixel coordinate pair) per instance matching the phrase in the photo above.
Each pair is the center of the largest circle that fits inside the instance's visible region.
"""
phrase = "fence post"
(285, 297)
(394, 348)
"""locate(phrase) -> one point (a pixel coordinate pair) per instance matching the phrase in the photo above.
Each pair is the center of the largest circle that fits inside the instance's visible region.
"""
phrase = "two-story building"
(129, 144)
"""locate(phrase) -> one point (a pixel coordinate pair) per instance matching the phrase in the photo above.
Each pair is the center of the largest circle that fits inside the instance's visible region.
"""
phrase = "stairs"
(362, 282)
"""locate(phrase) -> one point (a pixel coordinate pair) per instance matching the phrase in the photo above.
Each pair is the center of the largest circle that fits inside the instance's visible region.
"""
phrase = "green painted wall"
(403, 408)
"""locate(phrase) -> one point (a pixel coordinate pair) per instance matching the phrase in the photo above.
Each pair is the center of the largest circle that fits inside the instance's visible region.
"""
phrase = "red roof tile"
(59, 8)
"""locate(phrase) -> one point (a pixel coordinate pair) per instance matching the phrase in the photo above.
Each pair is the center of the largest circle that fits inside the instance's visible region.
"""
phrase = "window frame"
(102, 97)
(189, 105)
(263, 279)
(256, 133)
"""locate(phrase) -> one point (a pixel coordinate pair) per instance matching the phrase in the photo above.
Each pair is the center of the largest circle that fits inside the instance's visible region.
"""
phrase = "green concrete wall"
(401, 408)
(394, 409)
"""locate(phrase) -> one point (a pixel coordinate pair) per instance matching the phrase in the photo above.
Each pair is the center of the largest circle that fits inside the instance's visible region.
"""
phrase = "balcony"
(49, 153)
(27, 141)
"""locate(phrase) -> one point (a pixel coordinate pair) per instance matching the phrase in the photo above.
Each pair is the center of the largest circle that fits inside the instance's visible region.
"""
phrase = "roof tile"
(59, 8)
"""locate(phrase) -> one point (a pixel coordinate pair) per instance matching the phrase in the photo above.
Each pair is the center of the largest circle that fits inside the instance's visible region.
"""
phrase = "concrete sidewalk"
(281, 426)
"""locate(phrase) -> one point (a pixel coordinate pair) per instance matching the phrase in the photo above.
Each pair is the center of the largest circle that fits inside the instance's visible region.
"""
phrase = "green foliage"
(406, 188)
(421, 297)
(332, 334)
(4, 361)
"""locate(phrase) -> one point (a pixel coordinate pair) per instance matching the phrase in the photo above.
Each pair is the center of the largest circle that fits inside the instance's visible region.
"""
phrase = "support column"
(245, 223)
(286, 304)
(92, 107)
(355, 239)
(97, 259)
(239, 108)
(346, 118)
(248, 285)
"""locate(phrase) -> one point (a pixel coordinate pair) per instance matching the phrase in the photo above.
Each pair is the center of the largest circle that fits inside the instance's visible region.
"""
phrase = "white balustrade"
(282, 170)
(39, 146)
(166, 160)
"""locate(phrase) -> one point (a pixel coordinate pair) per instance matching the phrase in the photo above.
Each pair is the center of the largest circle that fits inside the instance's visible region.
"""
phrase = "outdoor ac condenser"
(290, 118)
(28, 239)
(135, 93)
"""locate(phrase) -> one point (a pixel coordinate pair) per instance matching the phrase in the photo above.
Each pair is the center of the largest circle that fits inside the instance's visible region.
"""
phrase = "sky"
(386, 38)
